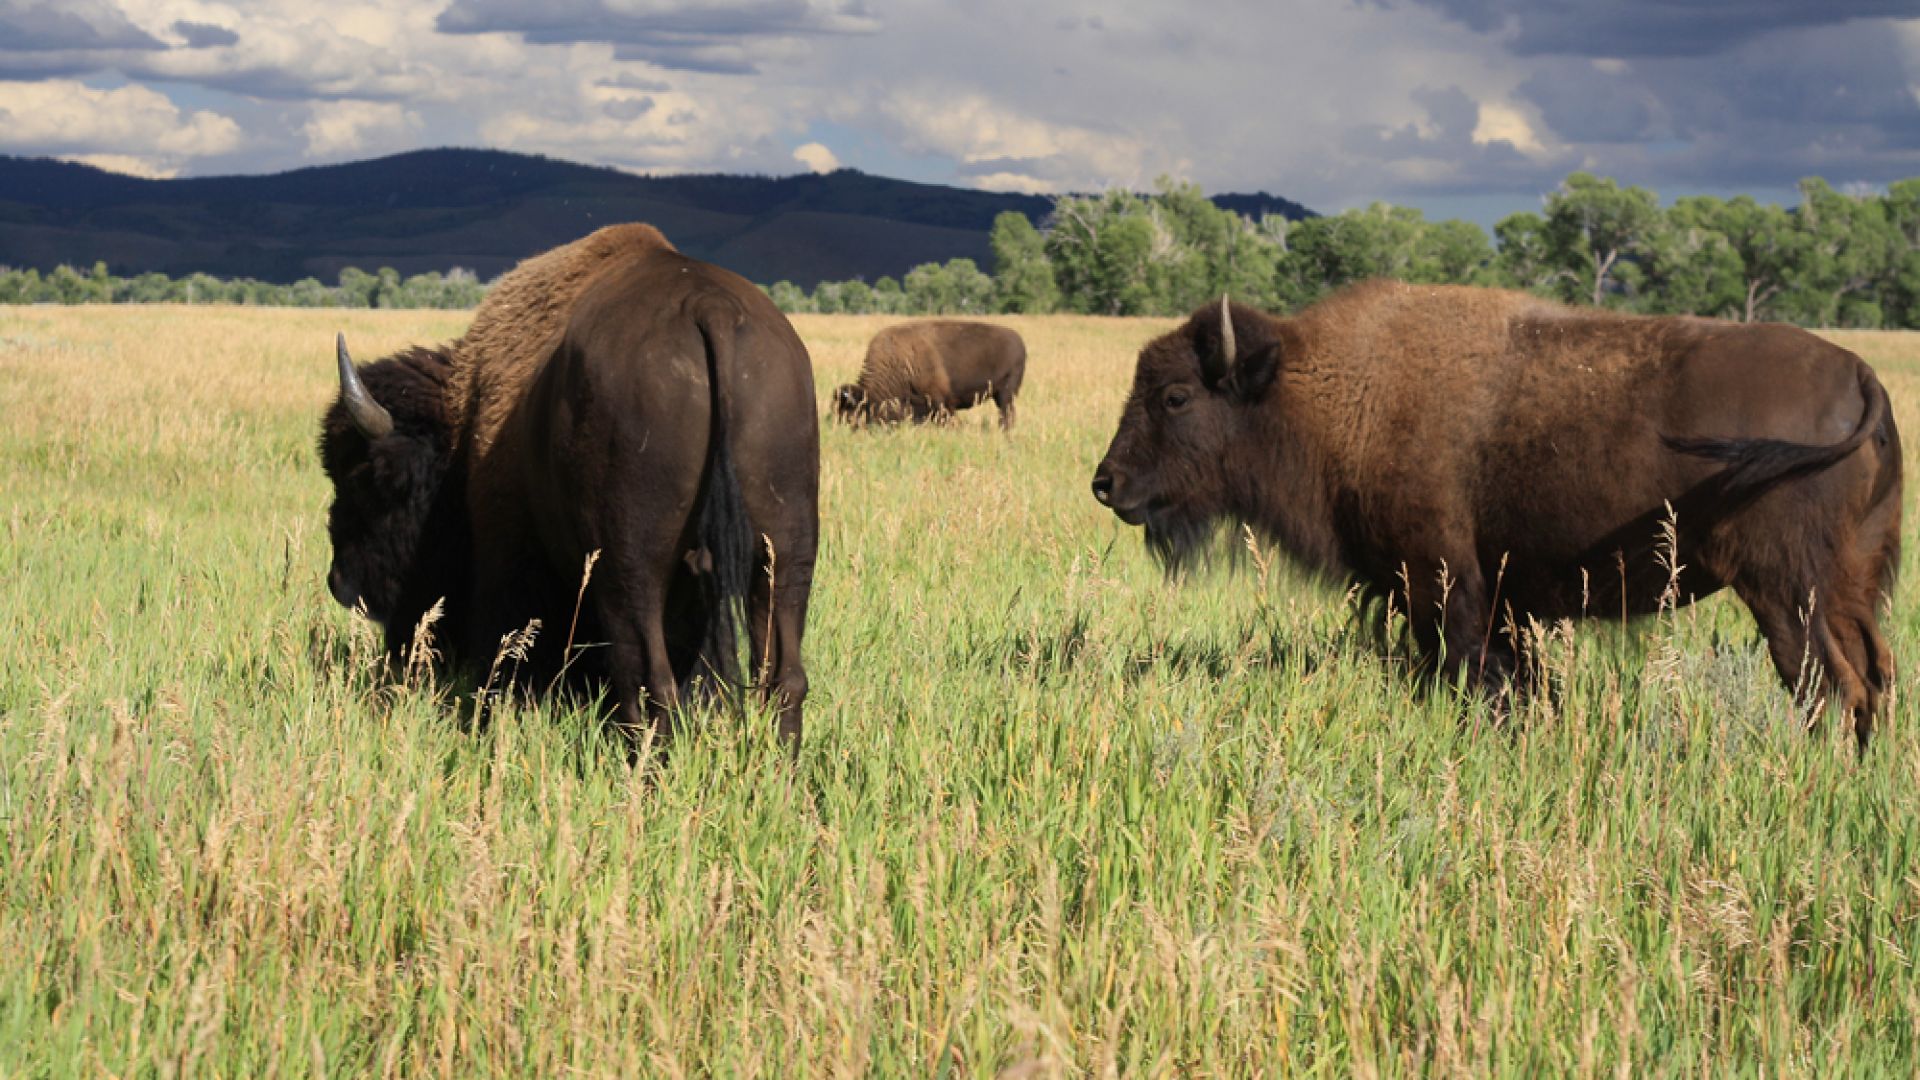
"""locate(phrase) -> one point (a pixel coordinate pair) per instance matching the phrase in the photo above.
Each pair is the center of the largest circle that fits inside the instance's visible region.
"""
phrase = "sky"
(1464, 108)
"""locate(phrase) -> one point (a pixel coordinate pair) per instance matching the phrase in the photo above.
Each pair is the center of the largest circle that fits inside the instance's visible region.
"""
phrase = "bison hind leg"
(1823, 647)
(1003, 400)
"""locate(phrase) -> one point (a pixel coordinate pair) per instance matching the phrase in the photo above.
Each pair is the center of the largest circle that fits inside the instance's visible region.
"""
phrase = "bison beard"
(614, 400)
(1480, 458)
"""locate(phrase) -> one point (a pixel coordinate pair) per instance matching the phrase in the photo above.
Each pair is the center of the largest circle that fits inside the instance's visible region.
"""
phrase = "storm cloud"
(1413, 101)
(1646, 28)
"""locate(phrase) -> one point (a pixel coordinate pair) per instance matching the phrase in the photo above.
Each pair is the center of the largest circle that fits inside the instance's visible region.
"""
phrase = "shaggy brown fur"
(518, 325)
(928, 370)
(613, 400)
(1483, 457)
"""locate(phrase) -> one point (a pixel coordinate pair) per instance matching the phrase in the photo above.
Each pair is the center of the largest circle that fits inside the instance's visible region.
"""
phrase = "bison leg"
(1003, 394)
(1799, 628)
(1824, 620)
(1452, 621)
(777, 616)
(1877, 555)
(642, 671)
(637, 657)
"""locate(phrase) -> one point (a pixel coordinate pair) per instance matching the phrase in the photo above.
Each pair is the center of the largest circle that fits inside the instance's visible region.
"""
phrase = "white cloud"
(974, 130)
(68, 118)
(816, 157)
(680, 132)
(1503, 123)
(338, 128)
(1013, 181)
(1004, 94)
(146, 168)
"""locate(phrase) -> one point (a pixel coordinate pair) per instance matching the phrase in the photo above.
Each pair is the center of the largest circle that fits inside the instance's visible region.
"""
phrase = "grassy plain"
(1053, 815)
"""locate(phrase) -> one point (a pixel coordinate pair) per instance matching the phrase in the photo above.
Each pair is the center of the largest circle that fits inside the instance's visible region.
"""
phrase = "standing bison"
(611, 396)
(927, 370)
(1475, 455)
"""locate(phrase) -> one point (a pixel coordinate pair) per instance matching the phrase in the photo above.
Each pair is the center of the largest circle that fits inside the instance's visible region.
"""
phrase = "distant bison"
(927, 370)
(1477, 456)
(611, 396)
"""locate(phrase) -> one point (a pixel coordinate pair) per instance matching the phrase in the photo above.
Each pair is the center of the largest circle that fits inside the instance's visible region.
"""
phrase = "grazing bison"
(611, 396)
(926, 370)
(1477, 456)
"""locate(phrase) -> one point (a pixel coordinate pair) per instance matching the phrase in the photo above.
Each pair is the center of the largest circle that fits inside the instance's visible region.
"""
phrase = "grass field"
(1053, 815)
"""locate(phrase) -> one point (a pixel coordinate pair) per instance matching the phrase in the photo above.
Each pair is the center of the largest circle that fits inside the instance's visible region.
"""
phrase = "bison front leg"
(1453, 622)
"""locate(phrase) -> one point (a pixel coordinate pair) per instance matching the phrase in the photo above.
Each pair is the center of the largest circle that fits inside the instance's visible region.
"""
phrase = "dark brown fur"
(614, 397)
(1478, 456)
(929, 370)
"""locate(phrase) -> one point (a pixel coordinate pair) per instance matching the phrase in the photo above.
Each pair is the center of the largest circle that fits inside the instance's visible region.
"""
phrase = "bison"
(612, 396)
(927, 370)
(1482, 457)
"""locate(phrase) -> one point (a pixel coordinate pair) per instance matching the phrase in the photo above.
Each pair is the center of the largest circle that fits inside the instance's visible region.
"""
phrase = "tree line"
(1837, 258)
(385, 288)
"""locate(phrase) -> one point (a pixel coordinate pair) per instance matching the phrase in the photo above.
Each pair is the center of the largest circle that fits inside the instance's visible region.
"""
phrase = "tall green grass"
(1053, 815)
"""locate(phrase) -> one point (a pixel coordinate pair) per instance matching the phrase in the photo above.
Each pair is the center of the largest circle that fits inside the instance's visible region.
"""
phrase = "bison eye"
(1177, 398)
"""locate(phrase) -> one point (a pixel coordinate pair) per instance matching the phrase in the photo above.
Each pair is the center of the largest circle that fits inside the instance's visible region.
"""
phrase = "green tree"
(149, 288)
(1902, 290)
(956, 288)
(19, 286)
(1848, 248)
(1523, 259)
(308, 292)
(1022, 276)
(856, 297)
(826, 298)
(1592, 226)
(1379, 241)
(386, 289)
(1690, 266)
(1452, 253)
(789, 297)
(1764, 239)
(357, 287)
(1100, 247)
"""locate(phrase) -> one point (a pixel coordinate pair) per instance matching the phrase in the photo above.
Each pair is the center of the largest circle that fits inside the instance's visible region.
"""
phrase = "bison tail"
(725, 531)
(1756, 466)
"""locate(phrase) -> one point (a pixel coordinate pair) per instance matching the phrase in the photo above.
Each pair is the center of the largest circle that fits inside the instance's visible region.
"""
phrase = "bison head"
(850, 404)
(1171, 464)
(384, 444)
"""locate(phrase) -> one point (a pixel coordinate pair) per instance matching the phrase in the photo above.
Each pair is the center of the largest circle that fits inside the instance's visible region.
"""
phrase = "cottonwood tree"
(1022, 277)
(1846, 249)
(1592, 226)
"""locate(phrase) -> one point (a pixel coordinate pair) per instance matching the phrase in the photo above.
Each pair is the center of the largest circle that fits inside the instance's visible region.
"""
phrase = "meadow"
(1053, 814)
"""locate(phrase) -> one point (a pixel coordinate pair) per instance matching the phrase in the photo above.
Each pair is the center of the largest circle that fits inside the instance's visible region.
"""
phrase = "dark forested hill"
(485, 210)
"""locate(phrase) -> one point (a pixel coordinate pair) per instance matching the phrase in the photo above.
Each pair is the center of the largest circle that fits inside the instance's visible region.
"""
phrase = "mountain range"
(487, 209)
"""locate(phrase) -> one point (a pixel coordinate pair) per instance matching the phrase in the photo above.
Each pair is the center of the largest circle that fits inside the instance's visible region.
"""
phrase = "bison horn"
(373, 421)
(1218, 366)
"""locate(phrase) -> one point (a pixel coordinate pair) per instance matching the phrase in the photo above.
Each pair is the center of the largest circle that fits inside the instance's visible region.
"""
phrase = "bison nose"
(1103, 487)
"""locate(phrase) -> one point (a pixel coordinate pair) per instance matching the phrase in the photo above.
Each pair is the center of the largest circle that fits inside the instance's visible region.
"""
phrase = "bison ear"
(1253, 375)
